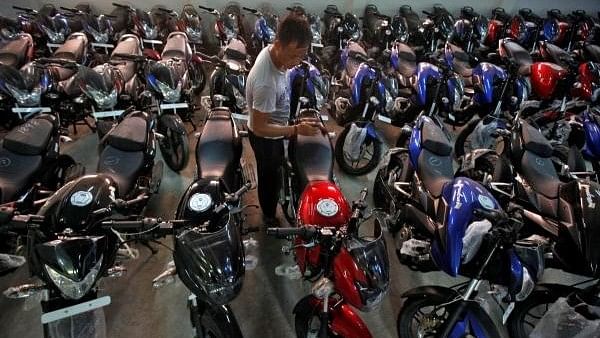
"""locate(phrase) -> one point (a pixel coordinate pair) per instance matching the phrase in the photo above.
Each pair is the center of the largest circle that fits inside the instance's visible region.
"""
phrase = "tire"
(174, 147)
(198, 78)
(215, 323)
(519, 322)
(413, 305)
(306, 320)
(347, 167)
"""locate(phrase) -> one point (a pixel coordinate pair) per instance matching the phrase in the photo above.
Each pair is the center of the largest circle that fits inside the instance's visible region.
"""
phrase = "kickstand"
(147, 244)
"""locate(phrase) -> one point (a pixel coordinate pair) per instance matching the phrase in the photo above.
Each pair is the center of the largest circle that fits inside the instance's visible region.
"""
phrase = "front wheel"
(173, 142)
(214, 322)
(424, 317)
(308, 322)
(357, 159)
(529, 312)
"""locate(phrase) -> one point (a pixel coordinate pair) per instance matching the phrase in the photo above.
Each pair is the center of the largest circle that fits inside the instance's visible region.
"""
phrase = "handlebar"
(153, 227)
(24, 9)
(208, 9)
(121, 5)
(306, 233)
(10, 221)
(60, 61)
(238, 194)
(251, 10)
(211, 58)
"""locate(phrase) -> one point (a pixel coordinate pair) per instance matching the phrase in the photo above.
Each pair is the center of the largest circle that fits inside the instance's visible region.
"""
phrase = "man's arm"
(262, 127)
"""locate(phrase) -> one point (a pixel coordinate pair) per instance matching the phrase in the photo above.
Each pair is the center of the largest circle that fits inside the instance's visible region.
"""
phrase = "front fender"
(225, 320)
(437, 293)
(344, 321)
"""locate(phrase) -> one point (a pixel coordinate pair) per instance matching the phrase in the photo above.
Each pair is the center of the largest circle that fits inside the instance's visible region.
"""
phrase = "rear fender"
(344, 321)
(151, 54)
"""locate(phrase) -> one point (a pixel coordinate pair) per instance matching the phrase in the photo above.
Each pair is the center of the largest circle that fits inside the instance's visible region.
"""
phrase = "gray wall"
(317, 6)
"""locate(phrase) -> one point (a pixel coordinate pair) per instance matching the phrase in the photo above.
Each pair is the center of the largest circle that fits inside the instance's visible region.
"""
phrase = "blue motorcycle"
(264, 29)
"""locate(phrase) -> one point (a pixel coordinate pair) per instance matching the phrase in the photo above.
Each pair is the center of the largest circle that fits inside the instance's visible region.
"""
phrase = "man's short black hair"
(294, 28)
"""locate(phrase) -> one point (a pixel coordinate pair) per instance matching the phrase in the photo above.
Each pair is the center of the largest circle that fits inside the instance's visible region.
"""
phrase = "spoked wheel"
(174, 147)
(528, 313)
(424, 317)
(370, 152)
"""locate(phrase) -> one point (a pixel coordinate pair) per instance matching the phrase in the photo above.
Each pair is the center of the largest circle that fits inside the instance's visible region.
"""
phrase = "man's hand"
(307, 128)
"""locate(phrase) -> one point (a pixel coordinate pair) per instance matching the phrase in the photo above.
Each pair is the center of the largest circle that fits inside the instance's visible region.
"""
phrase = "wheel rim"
(426, 320)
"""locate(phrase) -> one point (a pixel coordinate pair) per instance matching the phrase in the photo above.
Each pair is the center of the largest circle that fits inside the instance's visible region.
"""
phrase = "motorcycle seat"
(215, 151)
(460, 61)
(540, 173)
(593, 51)
(31, 138)
(434, 140)
(534, 141)
(435, 171)
(519, 55)
(128, 44)
(557, 54)
(407, 60)
(13, 53)
(16, 172)
(122, 166)
(127, 69)
(73, 49)
(176, 47)
(130, 134)
(312, 158)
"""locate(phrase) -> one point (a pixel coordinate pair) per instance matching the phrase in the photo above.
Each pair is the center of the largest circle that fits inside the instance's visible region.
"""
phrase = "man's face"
(291, 54)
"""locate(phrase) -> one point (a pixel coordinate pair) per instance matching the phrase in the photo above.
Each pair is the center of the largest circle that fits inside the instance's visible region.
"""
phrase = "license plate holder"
(71, 311)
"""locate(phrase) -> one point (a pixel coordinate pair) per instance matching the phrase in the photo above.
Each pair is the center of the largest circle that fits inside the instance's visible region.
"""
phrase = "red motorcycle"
(348, 270)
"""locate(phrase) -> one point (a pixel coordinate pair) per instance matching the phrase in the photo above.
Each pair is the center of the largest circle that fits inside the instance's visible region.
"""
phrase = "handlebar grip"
(244, 189)
(207, 8)
(363, 194)
(23, 9)
(304, 232)
(251, 10)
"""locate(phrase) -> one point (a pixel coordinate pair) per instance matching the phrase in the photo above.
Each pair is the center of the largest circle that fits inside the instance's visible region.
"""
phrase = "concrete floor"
(264, 307)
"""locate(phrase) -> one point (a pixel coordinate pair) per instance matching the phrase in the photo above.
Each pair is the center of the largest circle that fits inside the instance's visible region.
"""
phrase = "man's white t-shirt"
(267, 89)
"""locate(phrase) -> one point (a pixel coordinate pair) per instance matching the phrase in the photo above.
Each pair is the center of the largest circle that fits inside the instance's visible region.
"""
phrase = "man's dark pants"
(269, 154)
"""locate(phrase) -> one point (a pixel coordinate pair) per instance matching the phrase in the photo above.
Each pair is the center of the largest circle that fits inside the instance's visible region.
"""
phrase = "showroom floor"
(264, 307)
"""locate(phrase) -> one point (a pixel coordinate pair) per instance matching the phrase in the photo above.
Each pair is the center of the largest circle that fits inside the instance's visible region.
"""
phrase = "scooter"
(347, 269)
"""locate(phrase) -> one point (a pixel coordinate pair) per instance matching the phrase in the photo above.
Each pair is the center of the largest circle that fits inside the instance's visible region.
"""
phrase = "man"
(268, 100)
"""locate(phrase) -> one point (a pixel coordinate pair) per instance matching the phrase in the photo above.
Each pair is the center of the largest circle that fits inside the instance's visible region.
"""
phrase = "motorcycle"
(140, 23)
(340, 30)
(525, 28)
(496, 27)
(373, 97)
(172, 80)
(492, 254)
(75, 223)
(228, 25)
(209, 255)
(560, 213)
(347, 269)
(376, 28)
(265, 29)
(18, 51)
(228, 80)
(437, 27)
(190, 23)
(98, 28)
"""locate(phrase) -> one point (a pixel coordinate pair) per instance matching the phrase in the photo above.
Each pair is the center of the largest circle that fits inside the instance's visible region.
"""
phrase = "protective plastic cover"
(562, 320)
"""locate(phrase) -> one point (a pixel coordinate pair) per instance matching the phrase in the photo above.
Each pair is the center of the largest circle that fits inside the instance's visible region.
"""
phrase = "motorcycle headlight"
(74, 289)
(102, 99)
(169, 94)
(320, 100)
(149, 32)
(240, 100)
(389, 102)
(54, 37)
(24, 97)
(194, 34)
(98, 37)
(356, 36)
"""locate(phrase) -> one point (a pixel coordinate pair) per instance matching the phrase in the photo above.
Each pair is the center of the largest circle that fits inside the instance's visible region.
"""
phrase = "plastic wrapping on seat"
(562, 320)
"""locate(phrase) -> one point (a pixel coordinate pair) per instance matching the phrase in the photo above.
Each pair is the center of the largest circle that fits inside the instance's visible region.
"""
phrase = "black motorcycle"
(72, 242)
(172, 81)
(209, 252)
